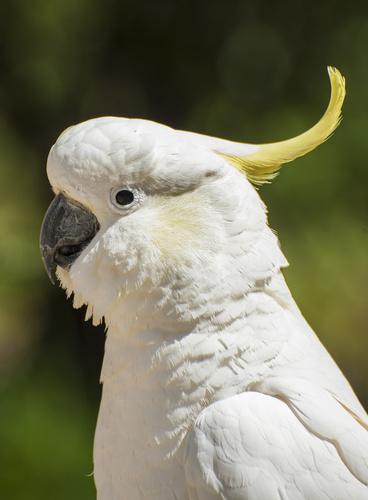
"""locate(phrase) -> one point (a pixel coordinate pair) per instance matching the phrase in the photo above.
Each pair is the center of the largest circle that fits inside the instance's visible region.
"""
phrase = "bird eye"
(124, 197)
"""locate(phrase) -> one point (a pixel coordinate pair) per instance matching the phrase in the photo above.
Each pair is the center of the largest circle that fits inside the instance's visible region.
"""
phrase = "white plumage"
(214, 385)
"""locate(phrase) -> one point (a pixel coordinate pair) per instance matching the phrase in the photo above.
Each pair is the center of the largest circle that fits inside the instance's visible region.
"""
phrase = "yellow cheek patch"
(178, 226)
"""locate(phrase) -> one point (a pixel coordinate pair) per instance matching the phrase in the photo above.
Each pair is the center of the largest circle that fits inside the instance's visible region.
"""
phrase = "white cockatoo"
(214, 385)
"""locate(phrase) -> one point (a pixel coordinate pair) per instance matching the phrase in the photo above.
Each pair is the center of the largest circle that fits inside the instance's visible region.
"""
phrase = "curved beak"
(67, 229)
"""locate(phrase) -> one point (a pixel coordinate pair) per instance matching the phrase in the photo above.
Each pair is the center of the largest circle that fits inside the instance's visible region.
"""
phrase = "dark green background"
(246, 70)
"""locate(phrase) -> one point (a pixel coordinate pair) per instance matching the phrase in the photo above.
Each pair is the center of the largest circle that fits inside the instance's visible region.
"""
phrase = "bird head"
(141, 208)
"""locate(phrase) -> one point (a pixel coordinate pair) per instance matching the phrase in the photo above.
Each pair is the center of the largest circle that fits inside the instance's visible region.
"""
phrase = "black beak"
(66, 230)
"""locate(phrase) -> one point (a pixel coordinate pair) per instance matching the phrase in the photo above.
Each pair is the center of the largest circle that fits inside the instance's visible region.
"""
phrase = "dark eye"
(124, 197)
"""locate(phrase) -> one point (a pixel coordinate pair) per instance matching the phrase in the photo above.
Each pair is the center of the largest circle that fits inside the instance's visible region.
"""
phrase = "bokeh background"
(249, 70)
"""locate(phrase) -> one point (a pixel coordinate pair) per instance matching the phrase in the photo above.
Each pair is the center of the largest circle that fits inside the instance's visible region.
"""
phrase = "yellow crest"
(263, 164)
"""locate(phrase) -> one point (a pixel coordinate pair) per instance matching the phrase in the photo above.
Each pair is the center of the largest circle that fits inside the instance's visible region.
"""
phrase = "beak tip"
(49, 263)
(52, 277)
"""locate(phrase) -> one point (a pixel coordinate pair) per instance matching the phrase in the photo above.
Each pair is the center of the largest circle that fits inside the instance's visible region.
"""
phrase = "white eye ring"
(124, 198)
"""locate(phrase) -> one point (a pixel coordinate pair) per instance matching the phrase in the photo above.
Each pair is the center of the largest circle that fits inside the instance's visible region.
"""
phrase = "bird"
(214, 386)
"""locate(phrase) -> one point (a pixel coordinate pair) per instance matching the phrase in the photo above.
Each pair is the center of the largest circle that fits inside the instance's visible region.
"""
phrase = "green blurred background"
(245, 70)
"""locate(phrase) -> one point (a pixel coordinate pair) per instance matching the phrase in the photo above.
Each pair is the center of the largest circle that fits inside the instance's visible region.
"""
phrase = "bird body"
(214, 385)
(196, 372)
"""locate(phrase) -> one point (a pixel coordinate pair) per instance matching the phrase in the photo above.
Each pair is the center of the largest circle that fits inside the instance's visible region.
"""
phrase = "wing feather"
(254, 446)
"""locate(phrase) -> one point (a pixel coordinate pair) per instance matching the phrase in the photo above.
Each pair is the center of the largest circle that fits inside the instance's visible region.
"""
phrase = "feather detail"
(263, 165)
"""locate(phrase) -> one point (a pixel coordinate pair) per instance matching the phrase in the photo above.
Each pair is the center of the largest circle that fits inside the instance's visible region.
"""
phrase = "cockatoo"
(214, 385)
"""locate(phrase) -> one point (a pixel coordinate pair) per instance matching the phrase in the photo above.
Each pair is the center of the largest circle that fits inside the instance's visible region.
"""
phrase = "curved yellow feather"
(263, 165)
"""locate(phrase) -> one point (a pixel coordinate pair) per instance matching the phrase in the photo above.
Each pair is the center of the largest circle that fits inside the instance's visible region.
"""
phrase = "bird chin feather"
(79, 300)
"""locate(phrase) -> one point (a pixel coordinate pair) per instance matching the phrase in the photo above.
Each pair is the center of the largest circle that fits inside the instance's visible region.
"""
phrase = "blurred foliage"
(241, 69)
